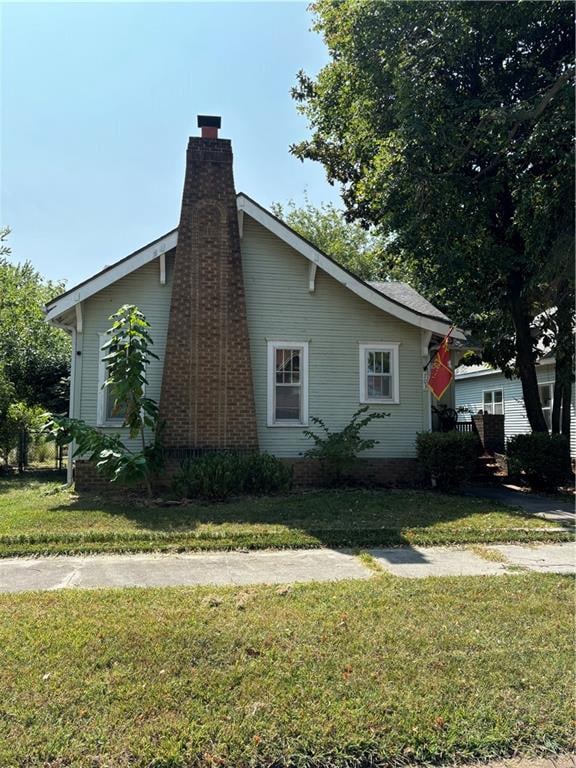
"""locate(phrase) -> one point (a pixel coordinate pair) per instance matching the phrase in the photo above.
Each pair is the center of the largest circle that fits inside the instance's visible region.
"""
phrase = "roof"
(405, 294)
(397, 299)
(484, 369)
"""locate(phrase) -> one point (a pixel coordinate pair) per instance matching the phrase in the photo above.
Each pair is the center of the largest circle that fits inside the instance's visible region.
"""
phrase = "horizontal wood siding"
(334, 321)
(142, 288)
(469, 393)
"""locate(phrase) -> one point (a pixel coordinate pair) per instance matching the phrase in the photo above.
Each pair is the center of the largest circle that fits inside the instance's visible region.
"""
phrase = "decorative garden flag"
(441, 374)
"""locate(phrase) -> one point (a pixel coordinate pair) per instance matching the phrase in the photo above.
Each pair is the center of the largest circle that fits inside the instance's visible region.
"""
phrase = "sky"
(98, 101)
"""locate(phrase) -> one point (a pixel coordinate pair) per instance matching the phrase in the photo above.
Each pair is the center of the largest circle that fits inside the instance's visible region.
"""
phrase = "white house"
(482, 388)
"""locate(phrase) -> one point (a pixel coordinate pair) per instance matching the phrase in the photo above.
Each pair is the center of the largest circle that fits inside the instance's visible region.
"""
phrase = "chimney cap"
(209, 121)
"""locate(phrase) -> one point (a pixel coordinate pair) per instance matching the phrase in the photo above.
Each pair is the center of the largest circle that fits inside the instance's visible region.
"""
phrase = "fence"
(464, 426)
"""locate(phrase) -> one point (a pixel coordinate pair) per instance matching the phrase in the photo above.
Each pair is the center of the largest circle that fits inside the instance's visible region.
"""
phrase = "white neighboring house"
(482, 388)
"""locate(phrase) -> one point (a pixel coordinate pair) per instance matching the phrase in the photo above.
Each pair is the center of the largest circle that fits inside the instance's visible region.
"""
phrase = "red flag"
(441, 374)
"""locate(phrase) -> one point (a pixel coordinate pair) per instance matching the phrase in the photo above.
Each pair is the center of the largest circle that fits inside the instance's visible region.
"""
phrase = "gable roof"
(397, 299)
(405, 294)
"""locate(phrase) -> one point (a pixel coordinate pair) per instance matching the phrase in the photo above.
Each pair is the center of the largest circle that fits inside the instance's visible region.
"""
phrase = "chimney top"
(209, 125)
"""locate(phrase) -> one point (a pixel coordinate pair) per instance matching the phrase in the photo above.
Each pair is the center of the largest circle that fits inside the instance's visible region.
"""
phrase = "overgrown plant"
(127, 354)
(217, 476)
(449, 458)
(338, 451)
(543, 459)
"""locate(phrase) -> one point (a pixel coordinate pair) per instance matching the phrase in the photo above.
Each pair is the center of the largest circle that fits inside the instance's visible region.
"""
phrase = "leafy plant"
(448, 457)
(127, 356)
(339, 450)
(544, 459)
(217, 476)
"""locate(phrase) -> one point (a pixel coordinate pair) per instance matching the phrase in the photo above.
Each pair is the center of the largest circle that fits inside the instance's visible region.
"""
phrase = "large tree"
(35, 357)
(450, 124)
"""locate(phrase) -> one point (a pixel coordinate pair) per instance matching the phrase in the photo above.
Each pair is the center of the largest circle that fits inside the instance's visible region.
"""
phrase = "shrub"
(339, 450)
(217, 476)
(449, 457)
(543, 458)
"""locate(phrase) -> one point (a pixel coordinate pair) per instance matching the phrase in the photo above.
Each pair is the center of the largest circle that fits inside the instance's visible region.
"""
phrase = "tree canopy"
(35, 356)
(348, 243)
(450, 124)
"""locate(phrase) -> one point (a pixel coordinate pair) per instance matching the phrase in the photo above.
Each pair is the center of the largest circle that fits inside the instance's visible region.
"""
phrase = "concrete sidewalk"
(274, 567)
(540, 506)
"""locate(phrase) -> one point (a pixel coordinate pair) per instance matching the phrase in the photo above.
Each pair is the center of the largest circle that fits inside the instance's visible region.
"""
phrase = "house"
(256, 331)
(482, 388)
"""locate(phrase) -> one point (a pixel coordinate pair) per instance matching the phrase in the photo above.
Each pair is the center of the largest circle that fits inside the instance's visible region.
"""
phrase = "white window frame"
(101, 420)
(550, 385)
(379, 346)
(272, 347)
(496, 389)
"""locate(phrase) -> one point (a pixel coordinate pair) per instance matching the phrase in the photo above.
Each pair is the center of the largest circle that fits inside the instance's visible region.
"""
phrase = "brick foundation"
(382, 472)
(307, 474)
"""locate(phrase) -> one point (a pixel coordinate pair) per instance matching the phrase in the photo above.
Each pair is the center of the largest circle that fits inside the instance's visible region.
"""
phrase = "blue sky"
(98, 101)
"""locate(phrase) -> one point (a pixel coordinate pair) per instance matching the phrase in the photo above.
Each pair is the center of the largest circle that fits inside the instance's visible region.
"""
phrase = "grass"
(374, 673)
(41, 516)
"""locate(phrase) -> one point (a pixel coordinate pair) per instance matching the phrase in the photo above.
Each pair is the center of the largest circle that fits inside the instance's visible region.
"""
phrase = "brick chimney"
(207, 398)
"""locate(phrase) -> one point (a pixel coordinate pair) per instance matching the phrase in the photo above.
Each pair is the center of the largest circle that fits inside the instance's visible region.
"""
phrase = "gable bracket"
(312, 267)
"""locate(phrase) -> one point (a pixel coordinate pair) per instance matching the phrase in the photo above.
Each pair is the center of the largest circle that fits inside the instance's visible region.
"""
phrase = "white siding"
(469, 393)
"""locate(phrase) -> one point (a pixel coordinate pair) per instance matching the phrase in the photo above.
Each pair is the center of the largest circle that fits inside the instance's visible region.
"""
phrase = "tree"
(35, 356)
(127, 354)
(350, 244)
(450, 124)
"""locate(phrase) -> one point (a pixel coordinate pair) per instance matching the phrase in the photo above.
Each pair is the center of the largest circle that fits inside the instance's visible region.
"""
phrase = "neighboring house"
(256, 331)
(482, 388)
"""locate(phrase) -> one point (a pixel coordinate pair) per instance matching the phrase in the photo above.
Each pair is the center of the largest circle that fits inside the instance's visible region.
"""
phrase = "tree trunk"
(525, 354)
(557, 403)
(566, 409)
(564, 360)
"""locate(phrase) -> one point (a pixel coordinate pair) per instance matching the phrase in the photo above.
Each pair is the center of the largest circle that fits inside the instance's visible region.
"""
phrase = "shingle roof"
(405, 294)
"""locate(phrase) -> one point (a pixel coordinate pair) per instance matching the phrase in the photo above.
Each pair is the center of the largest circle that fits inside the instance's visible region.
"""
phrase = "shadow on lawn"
(331, 518)
(10, 479)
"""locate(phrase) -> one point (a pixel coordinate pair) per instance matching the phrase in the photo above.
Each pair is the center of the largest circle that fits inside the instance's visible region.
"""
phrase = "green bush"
(217, 476)
(338, 451)
(448, 457)
(543, 458)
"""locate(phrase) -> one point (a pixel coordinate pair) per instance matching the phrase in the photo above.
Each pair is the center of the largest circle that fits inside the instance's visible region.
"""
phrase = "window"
(379, 373)
(287, 383)
(107, 415)
(493, 401)
(546, 392)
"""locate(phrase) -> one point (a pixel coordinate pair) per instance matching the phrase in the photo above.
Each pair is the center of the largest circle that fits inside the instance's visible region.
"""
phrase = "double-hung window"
(546, 392)
(287, 383)
(493, 401)
(379, 373)
(108, 413)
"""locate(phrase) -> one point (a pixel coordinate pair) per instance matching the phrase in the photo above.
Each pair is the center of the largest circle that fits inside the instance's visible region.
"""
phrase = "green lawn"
(349, 674)
(39, 515)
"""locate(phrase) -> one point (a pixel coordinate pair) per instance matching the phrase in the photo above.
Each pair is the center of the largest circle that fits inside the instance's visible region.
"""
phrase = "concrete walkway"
(539, 506)
(274, 567)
